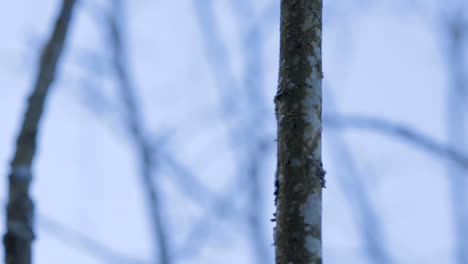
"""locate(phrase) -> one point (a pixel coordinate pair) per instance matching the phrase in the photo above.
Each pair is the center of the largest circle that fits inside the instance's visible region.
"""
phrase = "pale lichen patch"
(316, 49)
(318, 32)
(314, 80)
(280, 118)
(296, 162)
(313, 245)
(280, 178)
(311, 210)
(312, 61)
(312, 114)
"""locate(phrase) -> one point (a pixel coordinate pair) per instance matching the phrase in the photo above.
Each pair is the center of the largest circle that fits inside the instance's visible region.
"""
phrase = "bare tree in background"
(133, 122)
(131, 117)
(20, 209)
(352, 183)
(248, 106)
(300, 177)
(400, 132)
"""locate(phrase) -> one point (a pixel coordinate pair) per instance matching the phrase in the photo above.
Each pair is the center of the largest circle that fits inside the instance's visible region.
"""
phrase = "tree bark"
(19, 224)
(300, 177)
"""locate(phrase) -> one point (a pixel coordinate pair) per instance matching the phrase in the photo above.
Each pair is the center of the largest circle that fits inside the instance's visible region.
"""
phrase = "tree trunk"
(300, 177)
(19, 224)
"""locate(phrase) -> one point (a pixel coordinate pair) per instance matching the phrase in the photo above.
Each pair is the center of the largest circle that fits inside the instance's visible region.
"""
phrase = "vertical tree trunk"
(19, 224)
(300, 177)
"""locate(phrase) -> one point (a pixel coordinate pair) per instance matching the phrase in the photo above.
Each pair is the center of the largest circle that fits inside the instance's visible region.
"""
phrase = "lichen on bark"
(300, 177)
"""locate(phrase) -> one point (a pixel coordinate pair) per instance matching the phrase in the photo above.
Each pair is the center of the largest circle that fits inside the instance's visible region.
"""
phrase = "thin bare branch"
(218, 57)
(407, 134)
(20, 209)
(455, 35)
(134, 123)
(87, 244)
(353, 187)
(250, 95)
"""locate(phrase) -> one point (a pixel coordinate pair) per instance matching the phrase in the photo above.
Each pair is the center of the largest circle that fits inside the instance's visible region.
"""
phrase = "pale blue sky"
(375, 62)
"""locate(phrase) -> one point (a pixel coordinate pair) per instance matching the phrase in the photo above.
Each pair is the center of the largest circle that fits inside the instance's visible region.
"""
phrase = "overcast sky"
(377, 61)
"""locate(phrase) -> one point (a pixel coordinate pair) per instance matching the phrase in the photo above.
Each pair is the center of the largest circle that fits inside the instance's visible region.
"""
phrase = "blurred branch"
(407, 134)
(225, 209)
(250, 157)
(222, 207)
(186, 180)
(205, 226)
(155, 153)
(455, 33)
(87, 244)
(134, 123)
(20, 209)
(81, 241)
(253, 84)
(97, 63)
(94, 98)
(218, 57)
(353, 187)
(227, 85)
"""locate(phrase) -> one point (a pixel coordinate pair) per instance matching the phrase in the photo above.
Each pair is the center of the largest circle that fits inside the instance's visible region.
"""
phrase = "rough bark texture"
(19, 225)
(300, 177)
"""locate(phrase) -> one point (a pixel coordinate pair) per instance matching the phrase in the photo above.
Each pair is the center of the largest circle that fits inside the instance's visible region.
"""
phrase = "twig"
(133, 122)
(408, 134)
(88, 244)
(351, 182)
(249, 158)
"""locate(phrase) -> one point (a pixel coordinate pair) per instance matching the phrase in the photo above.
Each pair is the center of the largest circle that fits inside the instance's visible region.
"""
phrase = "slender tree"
(19, 223)
(299, 177)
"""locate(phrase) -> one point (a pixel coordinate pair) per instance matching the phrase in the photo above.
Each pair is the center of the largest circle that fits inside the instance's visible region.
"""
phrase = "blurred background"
(175, 98)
